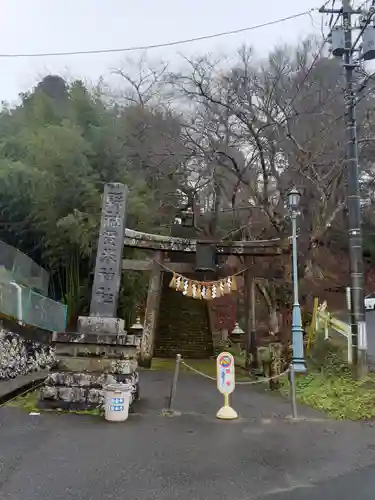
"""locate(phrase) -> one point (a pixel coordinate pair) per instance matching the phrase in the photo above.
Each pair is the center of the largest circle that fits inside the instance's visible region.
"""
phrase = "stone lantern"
(136, 331)
(237, 330)
(236, 335)
(187, 217)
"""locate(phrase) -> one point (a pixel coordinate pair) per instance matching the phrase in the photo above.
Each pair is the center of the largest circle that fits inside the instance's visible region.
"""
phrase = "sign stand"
(226, 384)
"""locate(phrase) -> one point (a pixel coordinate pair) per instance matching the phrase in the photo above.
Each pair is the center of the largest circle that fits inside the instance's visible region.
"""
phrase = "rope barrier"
(250, 382)
(226, 406)
(197, 371)
(265, 379)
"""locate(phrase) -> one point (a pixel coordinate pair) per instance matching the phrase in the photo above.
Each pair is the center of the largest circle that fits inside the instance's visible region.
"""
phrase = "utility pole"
(342, 46)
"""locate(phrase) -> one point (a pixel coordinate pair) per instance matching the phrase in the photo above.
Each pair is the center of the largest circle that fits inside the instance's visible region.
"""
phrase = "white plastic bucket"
(117, 400)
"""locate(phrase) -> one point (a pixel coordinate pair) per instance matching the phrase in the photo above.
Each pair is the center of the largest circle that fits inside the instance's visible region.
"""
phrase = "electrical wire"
(343, 115)
(208, 37)
(365, 81)
(308, 72)
(366, 23)
(331, 19)
(160, 45)
(311, 67)
(341, 91)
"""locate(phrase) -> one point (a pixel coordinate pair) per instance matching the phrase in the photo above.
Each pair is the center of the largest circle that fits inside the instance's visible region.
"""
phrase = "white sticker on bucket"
(117, 401)
(117, 408)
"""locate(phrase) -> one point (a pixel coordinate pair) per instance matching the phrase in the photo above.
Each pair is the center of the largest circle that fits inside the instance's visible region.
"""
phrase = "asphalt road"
(359, 485)
(190, 456)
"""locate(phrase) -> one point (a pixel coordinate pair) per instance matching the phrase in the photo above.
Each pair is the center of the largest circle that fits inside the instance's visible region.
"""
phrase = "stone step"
(185, 352)
(183, 326)
(191, 347)
(182, 340)
(185, 347)
(186, 355)
(181, 345)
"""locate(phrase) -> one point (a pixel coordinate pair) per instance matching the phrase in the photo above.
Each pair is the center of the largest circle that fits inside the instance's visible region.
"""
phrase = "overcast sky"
(29, 26)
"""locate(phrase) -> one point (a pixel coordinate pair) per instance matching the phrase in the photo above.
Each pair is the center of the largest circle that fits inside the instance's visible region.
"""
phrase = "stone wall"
(19, 356)
(85, 365)
(83, 391)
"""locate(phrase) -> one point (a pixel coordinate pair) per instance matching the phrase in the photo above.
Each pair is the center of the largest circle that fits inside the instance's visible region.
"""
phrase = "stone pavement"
(262, 455)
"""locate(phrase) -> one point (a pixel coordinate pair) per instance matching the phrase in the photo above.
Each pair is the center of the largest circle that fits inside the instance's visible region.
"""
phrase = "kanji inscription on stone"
(107, 276)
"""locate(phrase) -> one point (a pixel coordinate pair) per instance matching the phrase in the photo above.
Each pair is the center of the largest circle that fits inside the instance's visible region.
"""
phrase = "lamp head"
(294, 197)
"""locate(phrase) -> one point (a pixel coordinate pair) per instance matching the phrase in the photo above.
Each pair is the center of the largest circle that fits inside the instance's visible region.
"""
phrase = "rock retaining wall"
(85, 365)
(20, 357)
(82, 391)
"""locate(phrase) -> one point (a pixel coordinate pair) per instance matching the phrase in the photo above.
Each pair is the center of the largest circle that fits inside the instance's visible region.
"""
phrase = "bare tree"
(282, 117)
(142, 82)
(151, 130)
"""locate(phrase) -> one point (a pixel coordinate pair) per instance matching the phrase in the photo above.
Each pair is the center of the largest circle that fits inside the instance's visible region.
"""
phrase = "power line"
(342, 91)
(333, 6)
(160, 45)
(311, 67)
(365, 24)
(365, 81)
(339, 117)
(307, 74)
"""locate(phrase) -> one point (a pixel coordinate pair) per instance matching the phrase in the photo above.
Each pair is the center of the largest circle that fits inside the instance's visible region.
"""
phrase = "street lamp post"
(298, 362)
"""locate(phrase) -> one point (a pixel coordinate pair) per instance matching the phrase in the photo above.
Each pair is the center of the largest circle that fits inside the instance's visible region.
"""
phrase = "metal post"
(174, 381)
(252, 341)
(326, 326)
(253, 327)
(293, 396)
(350, 339)
(298, 362)
(357, 316)
(19, 302)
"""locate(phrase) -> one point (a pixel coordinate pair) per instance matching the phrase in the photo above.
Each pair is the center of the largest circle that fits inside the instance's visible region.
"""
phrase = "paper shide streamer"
(207, 290)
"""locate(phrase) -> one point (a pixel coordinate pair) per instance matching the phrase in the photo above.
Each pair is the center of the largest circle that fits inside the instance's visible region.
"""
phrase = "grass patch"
(331, 387)
(28, 402)
(339, 396)
(206, 366)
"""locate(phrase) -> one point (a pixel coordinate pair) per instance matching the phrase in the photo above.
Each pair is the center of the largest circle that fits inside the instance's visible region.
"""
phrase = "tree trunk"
(273, 322)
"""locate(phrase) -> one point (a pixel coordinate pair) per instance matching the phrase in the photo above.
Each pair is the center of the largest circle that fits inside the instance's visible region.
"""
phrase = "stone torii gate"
(165, 245)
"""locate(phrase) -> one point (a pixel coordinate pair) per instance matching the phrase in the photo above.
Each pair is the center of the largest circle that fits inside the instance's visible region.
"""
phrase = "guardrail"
(322, 319)
(31, 308)
(15, 265)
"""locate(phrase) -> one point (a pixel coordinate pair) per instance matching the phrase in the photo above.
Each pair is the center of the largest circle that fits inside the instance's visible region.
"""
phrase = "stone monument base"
(86, 363)
(72, 391)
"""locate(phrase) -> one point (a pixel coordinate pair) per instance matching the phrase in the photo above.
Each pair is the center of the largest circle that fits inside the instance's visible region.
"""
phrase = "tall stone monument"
(98, 353)
(107, 278)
